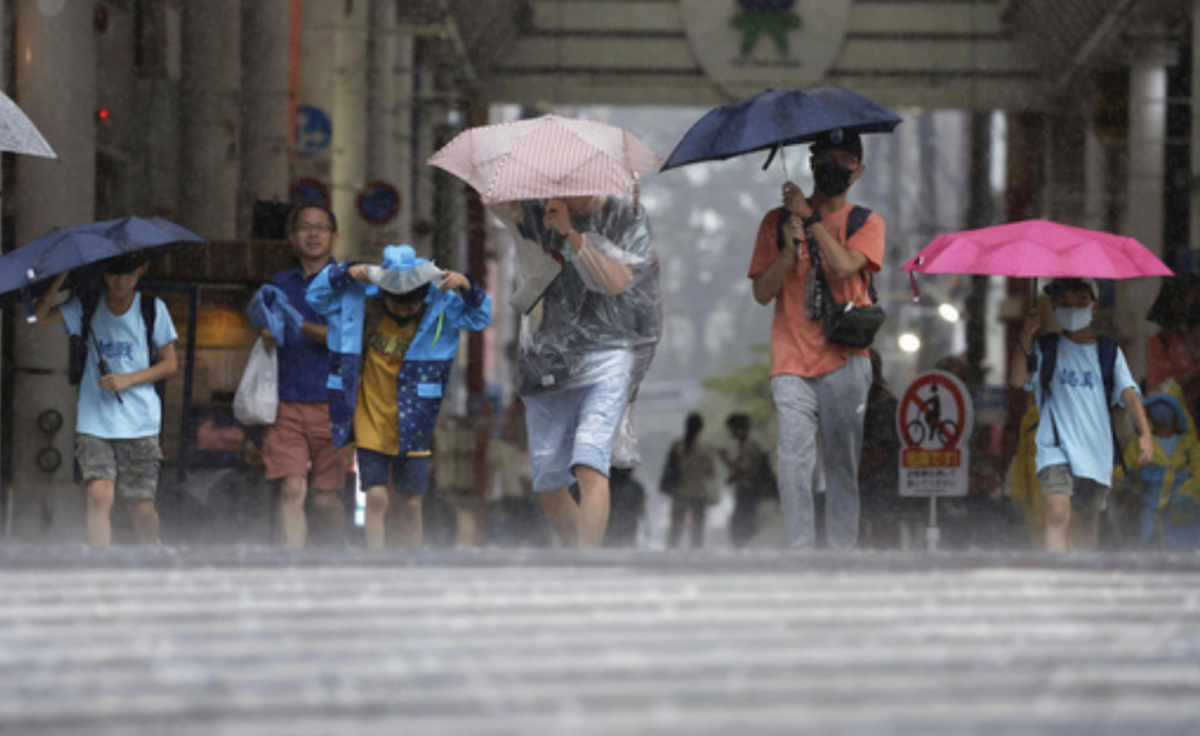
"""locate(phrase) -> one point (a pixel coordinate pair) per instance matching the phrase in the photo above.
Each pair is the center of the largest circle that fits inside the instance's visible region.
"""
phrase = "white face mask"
(1073, 319)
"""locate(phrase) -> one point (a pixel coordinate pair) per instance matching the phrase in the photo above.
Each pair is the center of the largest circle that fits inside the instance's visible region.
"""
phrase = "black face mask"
(831, 178)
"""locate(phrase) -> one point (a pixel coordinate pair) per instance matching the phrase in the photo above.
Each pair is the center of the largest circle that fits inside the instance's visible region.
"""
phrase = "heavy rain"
(599, 366)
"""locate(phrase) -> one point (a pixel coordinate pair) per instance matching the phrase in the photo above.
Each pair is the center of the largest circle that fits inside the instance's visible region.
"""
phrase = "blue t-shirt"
(303, 363)
(1080, 411)
(122, 343)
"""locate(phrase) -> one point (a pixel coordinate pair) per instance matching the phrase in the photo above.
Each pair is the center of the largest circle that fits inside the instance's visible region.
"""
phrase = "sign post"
(934, 420)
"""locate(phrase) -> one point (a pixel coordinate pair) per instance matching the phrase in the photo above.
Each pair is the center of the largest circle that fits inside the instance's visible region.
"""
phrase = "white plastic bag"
(257, 396)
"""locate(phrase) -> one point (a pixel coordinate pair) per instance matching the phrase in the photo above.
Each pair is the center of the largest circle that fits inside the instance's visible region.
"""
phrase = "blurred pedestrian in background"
(750, 475)
(1175, 351)
(1168, 487)
(695, 490)
(879, 468)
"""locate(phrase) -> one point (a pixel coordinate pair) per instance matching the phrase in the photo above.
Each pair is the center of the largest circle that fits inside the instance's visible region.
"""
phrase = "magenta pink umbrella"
(1036, 249)
(549, 156)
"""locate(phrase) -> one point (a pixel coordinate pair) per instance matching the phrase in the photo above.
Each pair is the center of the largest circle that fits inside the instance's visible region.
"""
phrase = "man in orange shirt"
(818, 386)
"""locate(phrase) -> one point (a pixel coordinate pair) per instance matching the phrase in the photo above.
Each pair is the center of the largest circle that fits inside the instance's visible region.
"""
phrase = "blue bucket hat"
(401, 271)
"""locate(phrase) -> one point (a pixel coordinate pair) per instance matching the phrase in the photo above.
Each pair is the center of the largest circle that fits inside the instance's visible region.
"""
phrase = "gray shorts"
(131, 464)
(1086, 494)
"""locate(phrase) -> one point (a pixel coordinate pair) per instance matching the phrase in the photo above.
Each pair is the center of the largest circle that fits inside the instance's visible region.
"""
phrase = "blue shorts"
(409, 474)
(577, 425)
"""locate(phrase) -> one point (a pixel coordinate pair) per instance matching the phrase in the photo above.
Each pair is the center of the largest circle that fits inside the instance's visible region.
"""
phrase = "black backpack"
(80, 344)
(1107, 349)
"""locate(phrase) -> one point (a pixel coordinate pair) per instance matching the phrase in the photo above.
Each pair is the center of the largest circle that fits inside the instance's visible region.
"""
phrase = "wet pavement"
(256, 641)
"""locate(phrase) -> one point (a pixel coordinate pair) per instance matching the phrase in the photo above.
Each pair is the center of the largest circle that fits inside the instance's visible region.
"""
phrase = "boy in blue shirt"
(119, 416)
(1074, 446)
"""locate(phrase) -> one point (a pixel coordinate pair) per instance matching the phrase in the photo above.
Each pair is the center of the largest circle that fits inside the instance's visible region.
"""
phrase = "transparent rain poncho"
(583, 308)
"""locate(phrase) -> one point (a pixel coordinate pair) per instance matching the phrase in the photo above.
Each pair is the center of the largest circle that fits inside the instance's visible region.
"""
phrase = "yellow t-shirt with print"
(377, 418)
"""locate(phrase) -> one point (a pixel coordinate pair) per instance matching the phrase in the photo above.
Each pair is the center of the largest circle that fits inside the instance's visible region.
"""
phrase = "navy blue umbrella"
(776, 118)
(67, 248)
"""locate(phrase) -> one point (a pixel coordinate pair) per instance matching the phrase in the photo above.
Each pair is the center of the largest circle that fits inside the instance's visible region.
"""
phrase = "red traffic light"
(102, 114)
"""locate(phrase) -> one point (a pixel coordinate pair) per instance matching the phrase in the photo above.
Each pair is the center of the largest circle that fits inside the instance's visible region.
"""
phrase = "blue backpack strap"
(1107, 348)
(149, 317)
(1048, 346)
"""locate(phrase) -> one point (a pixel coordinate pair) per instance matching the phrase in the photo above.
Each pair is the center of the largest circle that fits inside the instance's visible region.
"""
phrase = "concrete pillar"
(349, 155)
(428, 113)
(406, 162)
(210, 161)
(56, 63)
(1194, 239)
(1066, 167)
(383, 161)
(266, 106)
(1095, 182)
(1144, 218)
(314, 100)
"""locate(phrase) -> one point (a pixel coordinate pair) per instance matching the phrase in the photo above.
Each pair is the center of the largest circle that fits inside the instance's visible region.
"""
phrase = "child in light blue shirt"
(1074, 438)
(119, 414)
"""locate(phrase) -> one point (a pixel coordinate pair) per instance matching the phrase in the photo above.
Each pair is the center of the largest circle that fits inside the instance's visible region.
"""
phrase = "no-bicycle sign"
(934, 419)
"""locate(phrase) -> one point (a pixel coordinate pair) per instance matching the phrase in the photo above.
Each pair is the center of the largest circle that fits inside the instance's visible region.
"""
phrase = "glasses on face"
(314, 227)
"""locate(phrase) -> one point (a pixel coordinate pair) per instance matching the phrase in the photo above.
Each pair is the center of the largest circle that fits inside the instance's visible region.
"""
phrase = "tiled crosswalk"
(254, 642)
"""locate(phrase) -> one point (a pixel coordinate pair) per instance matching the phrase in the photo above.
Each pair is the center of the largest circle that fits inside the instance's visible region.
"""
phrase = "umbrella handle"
(27, 301)
(912, 279)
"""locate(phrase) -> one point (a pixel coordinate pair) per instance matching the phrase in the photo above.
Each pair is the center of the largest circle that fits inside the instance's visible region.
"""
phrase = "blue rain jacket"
(427, 364)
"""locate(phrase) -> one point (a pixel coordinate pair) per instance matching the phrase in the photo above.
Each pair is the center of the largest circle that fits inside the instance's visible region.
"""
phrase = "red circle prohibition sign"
(911, 397)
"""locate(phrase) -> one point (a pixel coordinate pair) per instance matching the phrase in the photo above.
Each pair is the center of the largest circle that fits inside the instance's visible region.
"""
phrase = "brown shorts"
(299, 443)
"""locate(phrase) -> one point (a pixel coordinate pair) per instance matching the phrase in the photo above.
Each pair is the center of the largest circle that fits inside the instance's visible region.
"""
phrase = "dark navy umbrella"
(775, 118)
(67, 248)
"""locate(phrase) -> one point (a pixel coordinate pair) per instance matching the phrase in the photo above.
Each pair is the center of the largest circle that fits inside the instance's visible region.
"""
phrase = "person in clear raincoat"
(589, 293)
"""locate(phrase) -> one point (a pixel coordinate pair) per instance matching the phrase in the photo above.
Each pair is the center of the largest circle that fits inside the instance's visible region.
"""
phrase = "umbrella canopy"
(1037, 249)
(67, 248)
(18, 134)
(776, 118)
(549, 156)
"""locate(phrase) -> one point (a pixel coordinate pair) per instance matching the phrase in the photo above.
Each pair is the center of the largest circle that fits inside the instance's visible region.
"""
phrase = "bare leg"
(1086, 534)
(375, 526)
(1058, 517)
(99, 505)
(410, 525)
(331, 513)
(563, 514)
(292, 524)
(145, 520)
(679, 511)
(467, 535)
(593, 507)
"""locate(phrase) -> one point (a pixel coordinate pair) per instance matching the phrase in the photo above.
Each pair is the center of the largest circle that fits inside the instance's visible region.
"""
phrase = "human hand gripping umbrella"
(542, 158)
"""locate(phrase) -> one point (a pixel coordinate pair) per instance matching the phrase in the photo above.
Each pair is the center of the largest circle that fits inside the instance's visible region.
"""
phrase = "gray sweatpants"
(833, 404)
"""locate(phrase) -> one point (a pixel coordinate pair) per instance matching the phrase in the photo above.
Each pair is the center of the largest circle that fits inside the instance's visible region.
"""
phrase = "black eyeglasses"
(319, 227)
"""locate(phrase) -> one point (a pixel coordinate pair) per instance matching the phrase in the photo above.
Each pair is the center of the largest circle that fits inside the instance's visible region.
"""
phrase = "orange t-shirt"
(798, 344)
